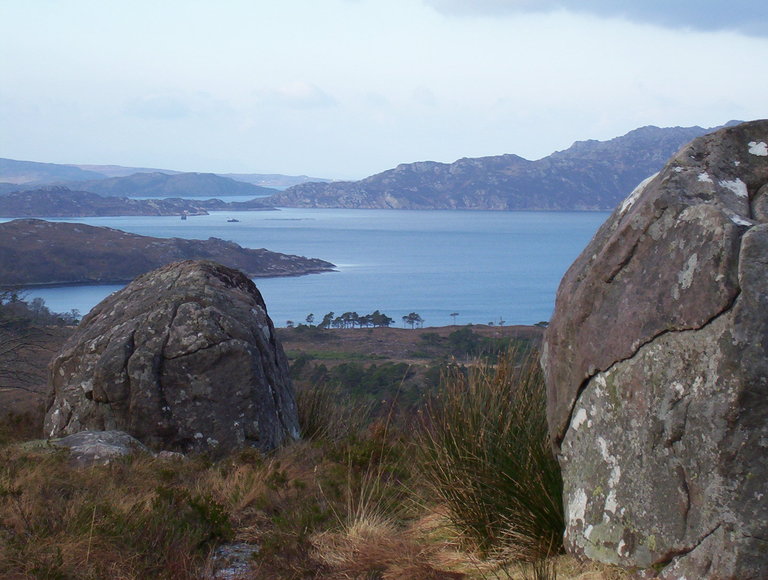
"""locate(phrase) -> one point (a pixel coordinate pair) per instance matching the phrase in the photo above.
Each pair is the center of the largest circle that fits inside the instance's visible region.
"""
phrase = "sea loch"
(486, 266)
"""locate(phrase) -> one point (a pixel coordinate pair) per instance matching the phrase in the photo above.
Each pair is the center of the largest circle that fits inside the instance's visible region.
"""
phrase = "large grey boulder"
(656, 362)
(184, 358)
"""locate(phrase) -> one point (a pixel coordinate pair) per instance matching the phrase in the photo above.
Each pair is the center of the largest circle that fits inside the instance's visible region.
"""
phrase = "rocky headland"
(37, 252)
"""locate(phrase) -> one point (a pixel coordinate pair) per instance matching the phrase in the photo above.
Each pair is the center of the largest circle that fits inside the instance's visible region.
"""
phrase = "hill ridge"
(589, 175)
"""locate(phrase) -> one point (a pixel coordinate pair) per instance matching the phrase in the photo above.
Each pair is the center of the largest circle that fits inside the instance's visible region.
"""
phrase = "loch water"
(500, 267)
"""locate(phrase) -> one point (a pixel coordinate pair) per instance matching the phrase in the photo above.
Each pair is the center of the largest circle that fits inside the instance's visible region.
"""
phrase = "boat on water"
(232, 220)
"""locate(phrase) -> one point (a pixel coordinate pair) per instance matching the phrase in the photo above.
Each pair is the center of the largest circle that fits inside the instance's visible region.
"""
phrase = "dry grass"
(316, 512)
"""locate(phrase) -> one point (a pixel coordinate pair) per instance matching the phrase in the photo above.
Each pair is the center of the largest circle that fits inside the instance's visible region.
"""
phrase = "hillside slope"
(178, 185)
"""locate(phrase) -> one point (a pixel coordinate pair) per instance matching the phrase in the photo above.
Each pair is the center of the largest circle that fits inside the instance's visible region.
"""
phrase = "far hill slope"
(14, 172)
(590, 175)
(32, 172)
(37, 252)
(272, 179)
(178, 185)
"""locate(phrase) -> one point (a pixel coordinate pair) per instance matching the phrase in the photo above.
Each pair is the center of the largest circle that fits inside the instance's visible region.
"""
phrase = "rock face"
(184, 358)
(656, 362)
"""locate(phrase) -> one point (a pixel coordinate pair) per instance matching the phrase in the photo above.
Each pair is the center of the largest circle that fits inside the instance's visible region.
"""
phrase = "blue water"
(487, 266)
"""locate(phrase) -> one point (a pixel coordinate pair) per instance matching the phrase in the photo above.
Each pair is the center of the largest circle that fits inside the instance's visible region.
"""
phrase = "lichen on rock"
(656, 362)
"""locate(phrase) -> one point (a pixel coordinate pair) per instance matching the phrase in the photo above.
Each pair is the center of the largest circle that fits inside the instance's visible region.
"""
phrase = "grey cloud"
(745, 16)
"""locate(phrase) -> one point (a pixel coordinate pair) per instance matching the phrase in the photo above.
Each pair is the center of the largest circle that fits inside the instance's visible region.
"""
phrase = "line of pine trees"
(351, 320)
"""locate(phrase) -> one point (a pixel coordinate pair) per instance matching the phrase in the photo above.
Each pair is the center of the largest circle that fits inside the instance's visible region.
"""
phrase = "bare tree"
(413, 319)
(18, 336)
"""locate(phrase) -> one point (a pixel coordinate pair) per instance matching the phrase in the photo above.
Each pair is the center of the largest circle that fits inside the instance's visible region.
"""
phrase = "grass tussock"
(486, 456)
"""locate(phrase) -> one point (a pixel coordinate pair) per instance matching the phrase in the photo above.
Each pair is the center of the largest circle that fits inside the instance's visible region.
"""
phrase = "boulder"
(99, 447)
(656, 362)
(184, 358)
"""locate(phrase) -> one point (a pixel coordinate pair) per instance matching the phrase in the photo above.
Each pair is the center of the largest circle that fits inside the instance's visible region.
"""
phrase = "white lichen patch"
(740, 221)
(600, 384)
(579, 419)
(737, 186)
(577, 507)
(622, 549)
(685, 277)
(611, 503)
(705, 178)
(612, 461)
(758, 148)
(632, 197)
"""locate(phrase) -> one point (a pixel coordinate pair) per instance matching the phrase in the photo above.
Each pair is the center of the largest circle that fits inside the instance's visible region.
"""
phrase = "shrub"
(486, 455)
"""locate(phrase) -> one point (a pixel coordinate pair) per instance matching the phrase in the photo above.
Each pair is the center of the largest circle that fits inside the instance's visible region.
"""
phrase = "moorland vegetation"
(428, 460)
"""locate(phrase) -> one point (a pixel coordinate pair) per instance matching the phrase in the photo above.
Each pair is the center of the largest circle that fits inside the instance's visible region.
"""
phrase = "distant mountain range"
(590, 175)
(15, 173)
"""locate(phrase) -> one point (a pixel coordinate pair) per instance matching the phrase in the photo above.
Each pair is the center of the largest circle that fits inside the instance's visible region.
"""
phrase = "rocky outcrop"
(185, 358)
(590, 175)
(37, 252)
(656, 362)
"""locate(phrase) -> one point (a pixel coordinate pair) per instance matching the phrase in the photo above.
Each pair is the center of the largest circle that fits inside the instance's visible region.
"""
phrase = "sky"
(348, 88)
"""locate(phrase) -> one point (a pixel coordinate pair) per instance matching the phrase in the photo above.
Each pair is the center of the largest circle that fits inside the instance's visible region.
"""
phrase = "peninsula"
(36, 253)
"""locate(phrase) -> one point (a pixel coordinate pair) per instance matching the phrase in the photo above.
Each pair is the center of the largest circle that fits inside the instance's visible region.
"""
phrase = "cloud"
(297, 95)
(748, 17)
(424, 97)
